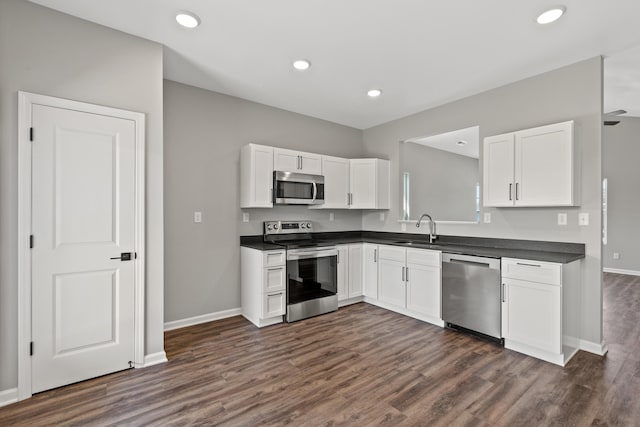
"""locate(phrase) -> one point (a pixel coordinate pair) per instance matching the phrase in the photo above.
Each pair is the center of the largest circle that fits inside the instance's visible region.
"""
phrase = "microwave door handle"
(315, 191)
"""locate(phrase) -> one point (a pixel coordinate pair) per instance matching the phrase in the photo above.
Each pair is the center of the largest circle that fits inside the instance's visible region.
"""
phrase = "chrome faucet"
(432, 227)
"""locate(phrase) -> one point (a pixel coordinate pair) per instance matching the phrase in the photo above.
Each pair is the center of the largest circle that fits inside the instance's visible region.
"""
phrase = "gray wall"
(570, 93)
(50, 53)
(441, 183)
(203, 133)
(621, 152)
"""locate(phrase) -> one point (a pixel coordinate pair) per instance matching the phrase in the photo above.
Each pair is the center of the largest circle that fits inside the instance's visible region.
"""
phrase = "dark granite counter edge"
(559, 252)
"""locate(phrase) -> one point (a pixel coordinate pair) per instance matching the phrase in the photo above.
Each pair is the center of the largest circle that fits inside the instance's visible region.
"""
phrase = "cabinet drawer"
(392, 253)
(274, 258)
(274, 279)
(423, 257)
(273, 304)
(532, 271)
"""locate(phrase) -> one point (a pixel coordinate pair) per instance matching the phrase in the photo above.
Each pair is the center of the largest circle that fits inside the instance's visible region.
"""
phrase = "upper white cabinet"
(297, 161)
(532, 167)
(369, 184)
(336, 183)
(256, 176)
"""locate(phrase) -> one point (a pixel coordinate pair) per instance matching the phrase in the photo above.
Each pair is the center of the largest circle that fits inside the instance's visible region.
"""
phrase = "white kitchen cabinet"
(256, 176)
(336, 183)
(350, 271)
(262, 285)
(409, 282)
(532, 167)
(343, 272)
(370, 270)
(369, 184)
(541, 308)
(297, 161)
(355, 270)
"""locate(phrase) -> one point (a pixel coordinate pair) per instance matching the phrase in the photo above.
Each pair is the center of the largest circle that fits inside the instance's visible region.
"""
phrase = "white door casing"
(82, 198)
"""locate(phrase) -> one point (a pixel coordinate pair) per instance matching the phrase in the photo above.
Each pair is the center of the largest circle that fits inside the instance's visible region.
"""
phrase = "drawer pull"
(275, 295)
(528, 265)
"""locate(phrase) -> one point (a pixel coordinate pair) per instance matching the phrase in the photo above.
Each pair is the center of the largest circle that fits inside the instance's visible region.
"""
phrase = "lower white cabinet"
(350, 271)
(409, 282)
(263, 285)
(541, 308)
(370, 270)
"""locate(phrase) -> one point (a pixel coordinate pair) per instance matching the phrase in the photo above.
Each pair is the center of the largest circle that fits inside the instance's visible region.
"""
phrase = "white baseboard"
(155, 359)
(204, 318)
(595, 348)
(621, 271)
(9, 396)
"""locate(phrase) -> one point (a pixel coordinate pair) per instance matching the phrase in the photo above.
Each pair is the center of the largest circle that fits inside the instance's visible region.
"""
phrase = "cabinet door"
(423, 289)
(343, 272)
(498, 185)
(336, 183)
(274, 279)
(370, 279)
(273, 305)
(355, 270)
(310, 163)
(286, 160)
(391, 275)
(256, 176)
(544, 166)
(531, 314)
(363, 183)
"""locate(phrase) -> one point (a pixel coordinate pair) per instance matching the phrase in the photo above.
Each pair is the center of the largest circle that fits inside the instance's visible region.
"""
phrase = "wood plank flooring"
(359, 366)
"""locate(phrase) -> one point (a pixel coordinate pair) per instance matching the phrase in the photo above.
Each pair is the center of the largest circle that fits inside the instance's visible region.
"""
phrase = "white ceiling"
(421, 53)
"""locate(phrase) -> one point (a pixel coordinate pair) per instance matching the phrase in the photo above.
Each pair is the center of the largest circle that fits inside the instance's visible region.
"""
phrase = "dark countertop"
(535, 250)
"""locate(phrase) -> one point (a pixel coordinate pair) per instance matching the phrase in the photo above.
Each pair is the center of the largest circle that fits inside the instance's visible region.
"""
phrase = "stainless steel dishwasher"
(471, 294)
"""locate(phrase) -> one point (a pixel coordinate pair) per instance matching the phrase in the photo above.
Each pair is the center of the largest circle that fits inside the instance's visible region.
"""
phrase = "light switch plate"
(403, 227)
(616, 255)
(583, 218)
(332, 216)
(197, 217)
(381, 216)
(562, 219)
(245, 216)
(487, 217)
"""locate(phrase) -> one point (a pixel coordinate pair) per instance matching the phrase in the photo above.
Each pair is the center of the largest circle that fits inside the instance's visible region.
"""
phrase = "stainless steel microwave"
(290, 188)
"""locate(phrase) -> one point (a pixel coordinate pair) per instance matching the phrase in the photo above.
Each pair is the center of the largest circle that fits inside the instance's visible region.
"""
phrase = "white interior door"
(83, 216)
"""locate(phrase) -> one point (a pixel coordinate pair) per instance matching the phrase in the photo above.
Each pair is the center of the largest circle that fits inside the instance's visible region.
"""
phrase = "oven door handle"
(319, 253)
(315, 191)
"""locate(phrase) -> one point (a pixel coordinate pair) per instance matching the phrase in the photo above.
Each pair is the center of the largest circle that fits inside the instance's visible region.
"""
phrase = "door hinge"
(31, 348)
(30, 134)
(31, 241)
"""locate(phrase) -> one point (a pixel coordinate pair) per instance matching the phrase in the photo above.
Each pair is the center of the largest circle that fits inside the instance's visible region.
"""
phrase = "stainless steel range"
(312, 276)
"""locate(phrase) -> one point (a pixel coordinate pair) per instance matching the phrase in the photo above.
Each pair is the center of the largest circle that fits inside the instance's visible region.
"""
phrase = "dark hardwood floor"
(360, 366)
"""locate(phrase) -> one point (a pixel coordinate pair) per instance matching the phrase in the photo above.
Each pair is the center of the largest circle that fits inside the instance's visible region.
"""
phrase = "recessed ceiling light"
(188, 19)
(301, 64)
(551, 15)
(374, 93)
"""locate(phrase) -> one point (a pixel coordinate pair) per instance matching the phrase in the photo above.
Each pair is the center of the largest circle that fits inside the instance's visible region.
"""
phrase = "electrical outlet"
(487, 217)
(245, 216)
(583, 218)
(562, 219)
(403, 227)
(381, 216)
(332, 216)
(616, 255)
(197, 217)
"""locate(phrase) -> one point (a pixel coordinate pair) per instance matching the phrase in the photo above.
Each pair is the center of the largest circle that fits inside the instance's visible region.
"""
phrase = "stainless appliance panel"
(310, 308)
(471, 293)
(291, 188)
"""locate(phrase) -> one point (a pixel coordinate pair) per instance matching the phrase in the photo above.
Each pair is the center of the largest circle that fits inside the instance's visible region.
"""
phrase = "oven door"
(311, 274)
(297, 189)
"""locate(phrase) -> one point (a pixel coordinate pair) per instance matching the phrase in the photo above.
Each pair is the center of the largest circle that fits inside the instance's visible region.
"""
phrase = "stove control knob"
(303, 225)
(276, 226)
(269, 227)
(308, 225)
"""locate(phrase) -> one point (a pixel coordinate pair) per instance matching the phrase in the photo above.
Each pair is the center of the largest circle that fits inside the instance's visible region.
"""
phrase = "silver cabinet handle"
(375, 255)
(517, 185)
(528, 265)
(503, 294)
(273, 295)
(407, 274)
(301, 165)
(510, 188)
(403, 274)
